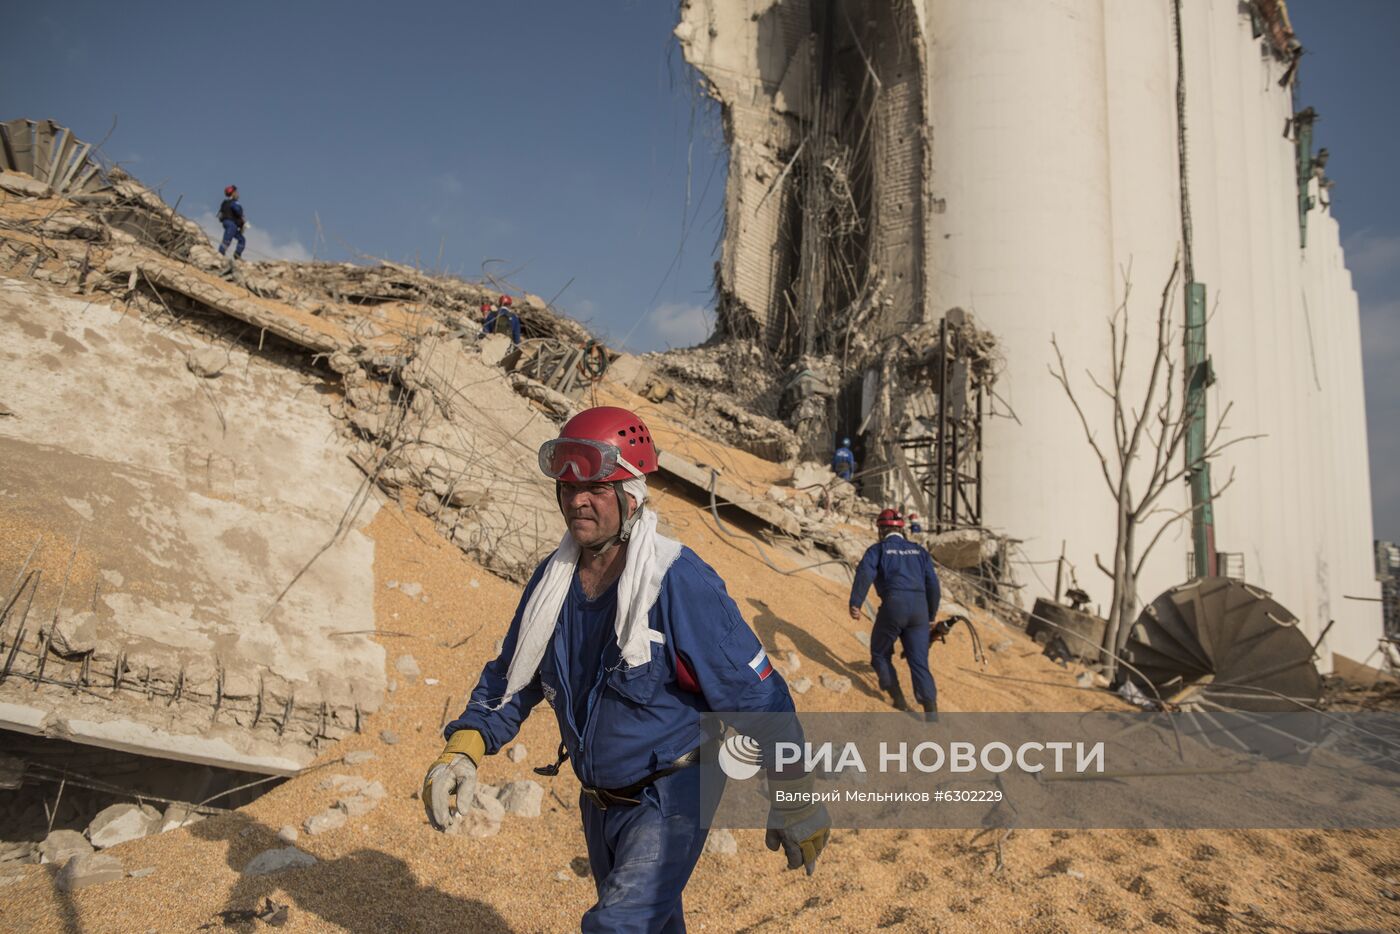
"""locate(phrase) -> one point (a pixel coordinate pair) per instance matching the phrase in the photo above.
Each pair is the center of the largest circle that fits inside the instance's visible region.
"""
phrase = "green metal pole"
(1198, 377)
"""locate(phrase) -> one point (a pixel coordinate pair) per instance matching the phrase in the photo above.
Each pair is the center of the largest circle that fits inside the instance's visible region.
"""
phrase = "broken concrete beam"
(727, 493)
(961, 548)
(17, 183)
(292, 324)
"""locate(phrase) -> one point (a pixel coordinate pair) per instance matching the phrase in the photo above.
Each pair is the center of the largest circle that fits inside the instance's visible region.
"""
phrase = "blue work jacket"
(490, 324)
(899, 569)
(640, 719)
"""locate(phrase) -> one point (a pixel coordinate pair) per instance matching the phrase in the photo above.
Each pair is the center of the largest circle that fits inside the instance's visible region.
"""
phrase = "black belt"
(630, 796)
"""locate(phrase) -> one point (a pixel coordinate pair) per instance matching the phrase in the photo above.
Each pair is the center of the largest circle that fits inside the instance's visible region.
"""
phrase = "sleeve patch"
(760, 665)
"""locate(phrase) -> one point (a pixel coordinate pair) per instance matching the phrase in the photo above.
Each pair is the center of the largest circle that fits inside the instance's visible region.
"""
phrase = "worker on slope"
(501, 320)
(231, 216)
(843, 462)
(632, 639)
(903, 575)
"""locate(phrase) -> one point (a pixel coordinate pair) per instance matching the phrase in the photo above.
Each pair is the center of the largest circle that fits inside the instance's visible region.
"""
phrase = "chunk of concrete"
(794, 661)
(359, 757)
(19, 851)
(836, 684)
(288, 834)
(179, 815)
(407, 665)
(721, 842)
(961, 548)
(328, 820)
(17, 183)
(61, 845)
(122, 822)
(74, 634)
(517, 753)
(388, 737)
(412, 590)
(522, 799)
(494, 348)
(87, 869)
(358, 805)
(207, 362)
(800, 685)
(270, 861)
(350, 784)
(483, 818)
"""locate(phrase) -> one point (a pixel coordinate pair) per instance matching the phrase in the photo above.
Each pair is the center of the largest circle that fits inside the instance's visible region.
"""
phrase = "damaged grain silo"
(1014, 171)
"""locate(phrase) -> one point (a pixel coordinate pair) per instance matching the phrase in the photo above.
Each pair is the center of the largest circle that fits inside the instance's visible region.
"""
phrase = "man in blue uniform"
(231, 216)
(501, 319)
(632, 639)
(843, 462)
(903, 575)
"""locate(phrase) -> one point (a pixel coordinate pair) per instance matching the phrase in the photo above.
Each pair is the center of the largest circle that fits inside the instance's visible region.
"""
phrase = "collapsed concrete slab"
(194, 541)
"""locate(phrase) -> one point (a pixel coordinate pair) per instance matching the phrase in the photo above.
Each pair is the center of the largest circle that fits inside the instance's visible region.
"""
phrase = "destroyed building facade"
(897, 166)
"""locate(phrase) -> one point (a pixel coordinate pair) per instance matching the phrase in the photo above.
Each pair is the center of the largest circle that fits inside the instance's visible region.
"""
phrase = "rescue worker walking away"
(903, 575)
(632, 639)
(843, 462)
(231, 216)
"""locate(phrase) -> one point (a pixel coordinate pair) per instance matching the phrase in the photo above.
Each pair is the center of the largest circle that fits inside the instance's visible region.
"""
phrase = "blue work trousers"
(903, 617)
(643, 855)
(232, 232)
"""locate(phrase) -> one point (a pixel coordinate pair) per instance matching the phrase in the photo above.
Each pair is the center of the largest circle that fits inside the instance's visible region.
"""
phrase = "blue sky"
(565, 139)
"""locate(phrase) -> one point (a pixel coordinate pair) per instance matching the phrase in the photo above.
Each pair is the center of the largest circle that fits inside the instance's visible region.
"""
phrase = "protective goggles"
(582, 460)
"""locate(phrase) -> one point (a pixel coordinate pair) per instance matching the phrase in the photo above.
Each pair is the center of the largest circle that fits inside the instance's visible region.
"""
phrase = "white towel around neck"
(649, 556)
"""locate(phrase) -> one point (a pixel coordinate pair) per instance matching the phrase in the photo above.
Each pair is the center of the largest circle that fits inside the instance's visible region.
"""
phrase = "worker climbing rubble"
(907, 583)
(632, 639)
(501, 320)
(231, 216)
(843, 462)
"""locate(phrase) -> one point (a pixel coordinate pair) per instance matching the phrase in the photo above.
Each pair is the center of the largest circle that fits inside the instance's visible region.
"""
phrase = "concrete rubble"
(59, 846)
(270, 861)
(87, 869)
(122, 822)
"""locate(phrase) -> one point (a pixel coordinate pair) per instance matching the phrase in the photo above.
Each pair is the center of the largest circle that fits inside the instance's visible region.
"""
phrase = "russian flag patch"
(761, 665)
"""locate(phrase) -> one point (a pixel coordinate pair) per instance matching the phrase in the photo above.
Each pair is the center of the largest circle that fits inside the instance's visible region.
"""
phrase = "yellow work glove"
(801, 827)
(453, 773)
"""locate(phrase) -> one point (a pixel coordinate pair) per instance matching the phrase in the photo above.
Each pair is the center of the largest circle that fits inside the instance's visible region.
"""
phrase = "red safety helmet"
(228, 192)
(506, 301)
(485, 306)
(890, 519)
(600, 445)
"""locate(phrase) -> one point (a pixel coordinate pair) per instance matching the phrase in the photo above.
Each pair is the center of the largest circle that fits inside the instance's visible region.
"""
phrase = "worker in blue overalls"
(843, 462)
(231, 216)
(501, 319)
(903, 575)
(632, 639)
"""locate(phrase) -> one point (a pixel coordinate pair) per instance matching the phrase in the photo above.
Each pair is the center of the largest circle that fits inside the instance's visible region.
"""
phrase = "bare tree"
(1156, 431)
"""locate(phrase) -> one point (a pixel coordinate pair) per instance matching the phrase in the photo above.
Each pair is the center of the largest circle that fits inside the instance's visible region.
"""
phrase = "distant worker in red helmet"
(231, 216)
(633, 640)
(907, 583)
(501, 320)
